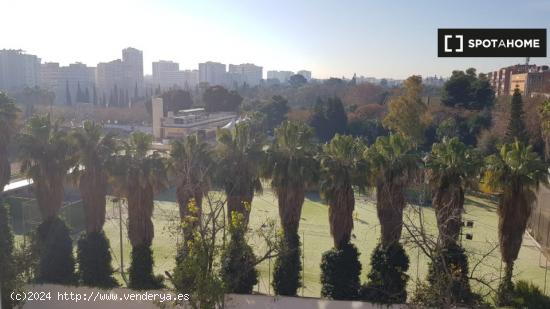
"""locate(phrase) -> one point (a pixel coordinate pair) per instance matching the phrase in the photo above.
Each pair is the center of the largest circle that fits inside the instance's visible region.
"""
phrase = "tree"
(8, 127)
(79, 94)
(451, 167)
(513, 173)
(191, 163)
(468, 90)
(46, 155)
(273, 113)
(291, 166)
(8, 275)
(94, 95)
(516, 126)
(94, 152)
(329, 118)
(86, 95)
(407, 114)
(239, 155)
(68, 99)
(393, 163)
(545, 126)
(175, 100)
(219, 99)
(342, 167)
(137, 176)
(297, 80)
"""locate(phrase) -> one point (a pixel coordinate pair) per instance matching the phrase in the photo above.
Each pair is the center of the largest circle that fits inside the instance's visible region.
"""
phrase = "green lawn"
(316, 239)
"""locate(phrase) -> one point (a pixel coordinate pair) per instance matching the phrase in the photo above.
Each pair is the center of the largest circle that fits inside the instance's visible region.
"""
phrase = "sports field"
(314, 230)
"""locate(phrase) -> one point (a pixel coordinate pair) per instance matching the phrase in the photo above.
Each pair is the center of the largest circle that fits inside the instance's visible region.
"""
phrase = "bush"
(340, 271)
(238, 271)
(528, 295)
(54, 246)
(286, 273)
(7, 265)
(141, 270)
(94, 261)
(387, 280)
(194, 274)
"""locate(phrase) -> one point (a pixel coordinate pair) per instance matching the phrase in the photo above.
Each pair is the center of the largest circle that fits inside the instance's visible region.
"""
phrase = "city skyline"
(327, 37)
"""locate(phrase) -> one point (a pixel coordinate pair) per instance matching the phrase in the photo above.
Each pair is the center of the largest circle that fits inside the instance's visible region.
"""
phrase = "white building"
(133, 59)
(213, 73)
(305, 73)
(246, 73)
(18, 70)
(282, 76)
(167, 74)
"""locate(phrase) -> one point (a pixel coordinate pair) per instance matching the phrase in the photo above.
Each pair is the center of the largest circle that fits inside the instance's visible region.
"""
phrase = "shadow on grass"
(488, 205)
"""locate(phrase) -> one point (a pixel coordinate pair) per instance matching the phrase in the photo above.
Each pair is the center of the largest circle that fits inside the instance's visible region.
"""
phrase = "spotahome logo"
(491, 42)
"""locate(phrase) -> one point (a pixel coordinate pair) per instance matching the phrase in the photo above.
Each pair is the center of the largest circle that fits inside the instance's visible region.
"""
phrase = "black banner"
(491, 42)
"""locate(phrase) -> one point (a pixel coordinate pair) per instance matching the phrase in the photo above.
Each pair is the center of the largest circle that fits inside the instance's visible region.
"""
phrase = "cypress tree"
(86, 96)
(79, 95)
(7, 273)
(516, 126)
(68, 99)
(94, 95)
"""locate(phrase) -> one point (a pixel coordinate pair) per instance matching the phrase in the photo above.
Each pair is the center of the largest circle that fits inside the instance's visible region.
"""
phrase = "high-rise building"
(246, 73)
(213, 73)
(18, 70)
(133, 59)
(58, 80)
(500, 79)
(282, 76)
(534, 82)
(167, 74)
(121, 80)
(305, 73)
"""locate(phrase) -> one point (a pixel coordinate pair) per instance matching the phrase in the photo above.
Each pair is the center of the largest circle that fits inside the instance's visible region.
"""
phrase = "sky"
(331, 38)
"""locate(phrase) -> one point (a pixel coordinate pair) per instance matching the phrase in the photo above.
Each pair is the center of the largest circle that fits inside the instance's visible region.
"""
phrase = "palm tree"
(291, 165)
(452, 167)
(239, 154)
(137, 174)
(191, 163)
(342, 167)
(514, 173)
(8, 127)
(94, 152)
(393, 162)
(46, 156)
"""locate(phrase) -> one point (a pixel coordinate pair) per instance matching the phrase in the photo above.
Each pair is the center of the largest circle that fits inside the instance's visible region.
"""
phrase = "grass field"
(314, 230)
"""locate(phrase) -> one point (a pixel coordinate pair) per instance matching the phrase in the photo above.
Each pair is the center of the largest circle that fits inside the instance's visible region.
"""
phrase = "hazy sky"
(330, 38)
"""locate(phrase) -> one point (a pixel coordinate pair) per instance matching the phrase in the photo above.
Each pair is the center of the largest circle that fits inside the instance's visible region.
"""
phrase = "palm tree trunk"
(140, 210)
(49, 195)
(340, 214)
(93, 189)
(449, 204)
(237, 201)
(514, 211)
(291, 200)
(5, 168)
(390, 202)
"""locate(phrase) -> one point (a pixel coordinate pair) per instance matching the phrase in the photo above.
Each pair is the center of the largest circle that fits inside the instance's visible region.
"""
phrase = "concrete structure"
(123, 298)
(246, 73)
(305, 73)
(185, 122)
(133, 59)
(213, 73)
(282, 76)
(58, 79)
(167, 74)
(121, 78)
(18, 70)
(533, 82)
(500, 79)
